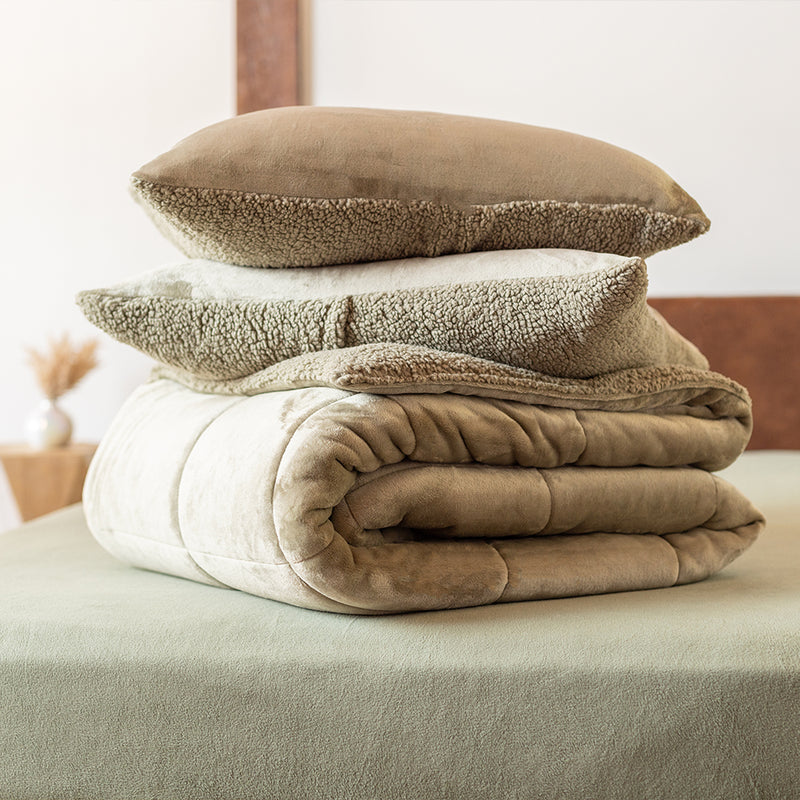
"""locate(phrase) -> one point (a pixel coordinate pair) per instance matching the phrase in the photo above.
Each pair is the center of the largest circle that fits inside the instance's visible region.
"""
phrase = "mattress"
(117, 682)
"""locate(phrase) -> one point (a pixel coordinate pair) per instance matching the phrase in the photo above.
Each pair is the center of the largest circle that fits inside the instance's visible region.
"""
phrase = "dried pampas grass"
(61, 366)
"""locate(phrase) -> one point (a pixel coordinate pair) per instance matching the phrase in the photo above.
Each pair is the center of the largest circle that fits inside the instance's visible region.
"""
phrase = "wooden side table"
(45, 480)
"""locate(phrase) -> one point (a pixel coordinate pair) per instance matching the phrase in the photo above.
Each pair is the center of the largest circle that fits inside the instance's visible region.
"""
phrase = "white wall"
(90, 90)
(705, 89)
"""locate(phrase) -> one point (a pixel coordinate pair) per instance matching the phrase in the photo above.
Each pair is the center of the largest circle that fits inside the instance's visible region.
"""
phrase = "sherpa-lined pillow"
(308, 186)
(565, 313)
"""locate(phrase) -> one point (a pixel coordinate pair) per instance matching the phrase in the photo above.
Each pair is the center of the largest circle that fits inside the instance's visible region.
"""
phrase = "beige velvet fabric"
(310, 186)
(566, 313)
(365, 503)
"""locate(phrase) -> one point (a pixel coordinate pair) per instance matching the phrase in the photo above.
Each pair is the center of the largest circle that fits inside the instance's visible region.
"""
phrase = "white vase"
(48, 426)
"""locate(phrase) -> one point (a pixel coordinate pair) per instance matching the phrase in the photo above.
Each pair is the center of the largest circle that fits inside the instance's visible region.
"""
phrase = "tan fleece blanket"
(389, 478)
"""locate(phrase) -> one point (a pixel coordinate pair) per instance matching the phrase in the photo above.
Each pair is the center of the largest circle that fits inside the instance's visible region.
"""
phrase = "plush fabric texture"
(401, 369)
(364, 503)
(565, 313)
(123, 684)
(310, 186)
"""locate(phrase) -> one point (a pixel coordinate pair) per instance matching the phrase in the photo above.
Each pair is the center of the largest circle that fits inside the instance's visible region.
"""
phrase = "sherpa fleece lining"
(561, 312)
(310, 186)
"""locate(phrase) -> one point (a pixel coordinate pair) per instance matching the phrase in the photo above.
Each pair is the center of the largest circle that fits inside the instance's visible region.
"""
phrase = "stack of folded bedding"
(452, 393)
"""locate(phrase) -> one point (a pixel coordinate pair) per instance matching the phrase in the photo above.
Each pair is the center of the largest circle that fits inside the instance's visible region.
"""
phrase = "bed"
(123, 683)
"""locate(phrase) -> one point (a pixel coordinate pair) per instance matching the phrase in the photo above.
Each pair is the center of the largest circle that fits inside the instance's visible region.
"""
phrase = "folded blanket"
(391, 478)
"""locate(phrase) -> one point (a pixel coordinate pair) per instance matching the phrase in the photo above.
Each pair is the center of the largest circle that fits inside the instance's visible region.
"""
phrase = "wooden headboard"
(754, 340)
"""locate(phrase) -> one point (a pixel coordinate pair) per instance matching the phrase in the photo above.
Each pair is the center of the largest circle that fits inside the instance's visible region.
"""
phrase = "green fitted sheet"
(121, 683)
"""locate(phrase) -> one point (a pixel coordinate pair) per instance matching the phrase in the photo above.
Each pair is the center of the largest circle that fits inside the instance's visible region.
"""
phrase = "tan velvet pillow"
(310, 186)
(561, 312)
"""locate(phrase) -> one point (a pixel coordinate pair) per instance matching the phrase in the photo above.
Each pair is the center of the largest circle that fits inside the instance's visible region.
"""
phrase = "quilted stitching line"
(216, 417)
(508, 571)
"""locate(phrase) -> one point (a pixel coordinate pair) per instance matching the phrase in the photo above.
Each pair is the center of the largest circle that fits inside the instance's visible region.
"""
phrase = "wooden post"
(271, 54)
